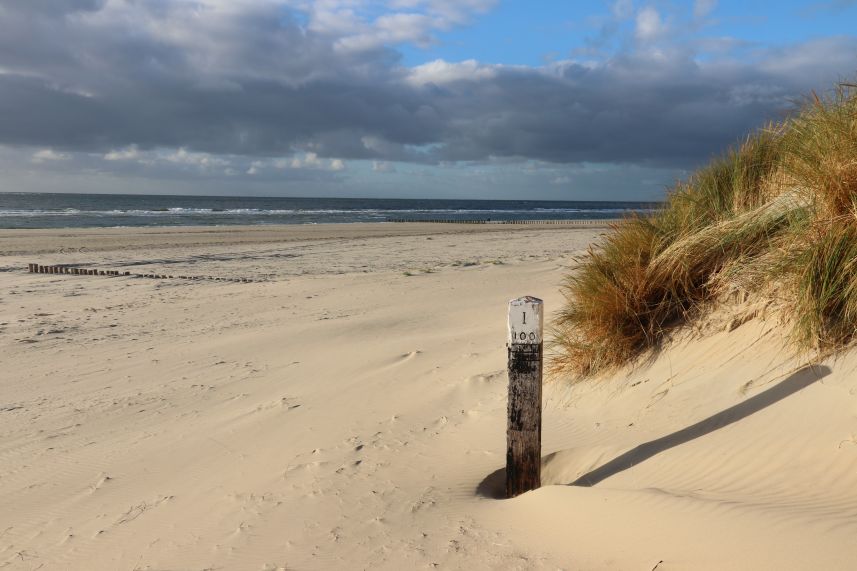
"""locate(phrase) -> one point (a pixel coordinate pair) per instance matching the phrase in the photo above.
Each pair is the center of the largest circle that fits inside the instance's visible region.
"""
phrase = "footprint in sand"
(486, 377)
(286, 403)
(102, 480)
(656, 397)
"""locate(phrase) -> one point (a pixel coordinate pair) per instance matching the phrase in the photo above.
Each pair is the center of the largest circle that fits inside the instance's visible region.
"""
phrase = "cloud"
(391, 29)
(200, 160)
(407, 21)
(63, 7)
(312, 161)
(650, 26)
(128, 153)
(266, 86)
(622, 9)
(440, 72)
(383, 166)
(702, 8)
(44, 155)
(309, 160)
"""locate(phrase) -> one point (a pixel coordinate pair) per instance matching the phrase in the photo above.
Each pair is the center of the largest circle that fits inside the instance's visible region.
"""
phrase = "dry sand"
(349, 413)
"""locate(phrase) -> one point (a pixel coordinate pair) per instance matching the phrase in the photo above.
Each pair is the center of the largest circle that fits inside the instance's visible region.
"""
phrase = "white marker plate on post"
(525, 321)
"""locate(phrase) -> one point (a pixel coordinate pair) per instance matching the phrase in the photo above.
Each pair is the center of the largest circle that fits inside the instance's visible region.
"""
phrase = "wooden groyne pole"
(68, 270)
(524, 427)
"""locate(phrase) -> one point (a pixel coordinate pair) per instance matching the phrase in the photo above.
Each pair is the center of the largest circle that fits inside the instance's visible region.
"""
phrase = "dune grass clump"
(820, 154)
(825, 280)
(776, 214)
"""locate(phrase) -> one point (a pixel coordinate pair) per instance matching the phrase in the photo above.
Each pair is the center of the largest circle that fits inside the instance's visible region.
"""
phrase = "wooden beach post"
(524, 427)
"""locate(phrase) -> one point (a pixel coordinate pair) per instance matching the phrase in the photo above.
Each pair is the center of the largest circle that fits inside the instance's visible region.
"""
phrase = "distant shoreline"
(121, 211)
(583, 222)
(31, 241)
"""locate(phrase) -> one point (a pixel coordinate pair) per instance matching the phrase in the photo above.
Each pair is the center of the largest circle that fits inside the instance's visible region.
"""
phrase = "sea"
(31, 210)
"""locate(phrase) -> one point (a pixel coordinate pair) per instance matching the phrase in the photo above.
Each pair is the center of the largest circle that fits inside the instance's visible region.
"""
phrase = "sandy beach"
(348, 411)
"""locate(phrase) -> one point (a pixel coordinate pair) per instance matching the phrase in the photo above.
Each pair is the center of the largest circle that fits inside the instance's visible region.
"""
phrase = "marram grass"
(775, 216)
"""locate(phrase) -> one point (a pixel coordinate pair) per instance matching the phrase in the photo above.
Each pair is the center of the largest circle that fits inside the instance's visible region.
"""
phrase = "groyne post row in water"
(68, 270)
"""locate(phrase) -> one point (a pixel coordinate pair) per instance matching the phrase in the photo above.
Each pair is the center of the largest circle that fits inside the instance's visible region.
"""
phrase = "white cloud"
(311, 161)
(45, 155)
(254, 167)
(126, 154)
(440, 72)
(383, 166)
(391, 29)
(358, 26)
(334, 20)
(202, 160)
(650, 26)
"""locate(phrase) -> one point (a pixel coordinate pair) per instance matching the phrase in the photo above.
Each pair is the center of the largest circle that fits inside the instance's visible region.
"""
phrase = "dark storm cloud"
(58, 7)
(250, 79)
(635, 109)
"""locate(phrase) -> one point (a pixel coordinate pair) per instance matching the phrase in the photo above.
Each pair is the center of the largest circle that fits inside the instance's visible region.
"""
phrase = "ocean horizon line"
(73, 210)
(277, 197)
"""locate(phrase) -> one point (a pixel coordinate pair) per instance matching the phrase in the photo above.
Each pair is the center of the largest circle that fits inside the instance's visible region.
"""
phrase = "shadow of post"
(792, 384)
(493, 486)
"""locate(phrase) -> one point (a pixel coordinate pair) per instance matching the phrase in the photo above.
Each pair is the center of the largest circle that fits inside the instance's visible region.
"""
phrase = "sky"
(471, 99)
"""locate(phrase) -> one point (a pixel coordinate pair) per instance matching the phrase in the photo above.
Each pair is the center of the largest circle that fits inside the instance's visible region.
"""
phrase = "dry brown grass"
(777, 214)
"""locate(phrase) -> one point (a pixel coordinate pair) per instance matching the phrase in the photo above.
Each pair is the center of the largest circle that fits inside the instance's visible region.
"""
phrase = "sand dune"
(349, 413)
